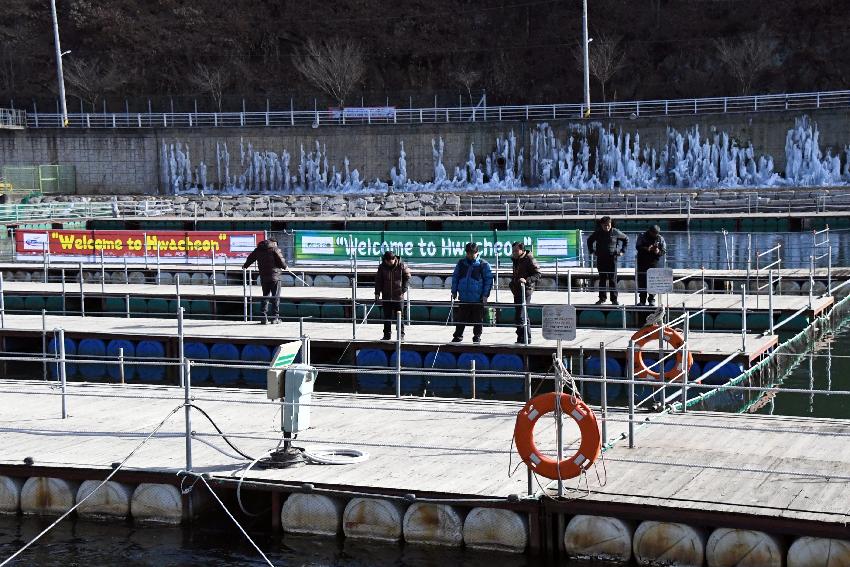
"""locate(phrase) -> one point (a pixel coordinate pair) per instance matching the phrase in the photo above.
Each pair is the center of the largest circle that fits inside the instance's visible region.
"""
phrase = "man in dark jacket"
(608, 244)
(525, 271)
(650, 248)
(472, 281)
(391, 285)
(270, 262)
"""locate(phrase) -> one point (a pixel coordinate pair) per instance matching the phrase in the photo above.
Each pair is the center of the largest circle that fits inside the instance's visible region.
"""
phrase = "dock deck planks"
(732, 463)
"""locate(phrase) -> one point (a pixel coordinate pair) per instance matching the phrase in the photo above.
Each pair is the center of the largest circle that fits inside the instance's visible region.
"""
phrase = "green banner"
(443, 247)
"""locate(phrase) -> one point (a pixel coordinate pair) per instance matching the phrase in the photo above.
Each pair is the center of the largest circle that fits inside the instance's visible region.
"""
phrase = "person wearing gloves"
(472, 281)
(605, 244)
(525, 271)
(270, 262)
(390, 286)
(650, 248)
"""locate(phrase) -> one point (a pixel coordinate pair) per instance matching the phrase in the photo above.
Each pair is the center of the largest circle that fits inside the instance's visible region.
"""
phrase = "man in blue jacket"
(472, 281)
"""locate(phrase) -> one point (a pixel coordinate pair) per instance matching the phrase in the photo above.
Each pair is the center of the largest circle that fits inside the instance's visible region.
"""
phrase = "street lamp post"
(586, 47)
(59, 54)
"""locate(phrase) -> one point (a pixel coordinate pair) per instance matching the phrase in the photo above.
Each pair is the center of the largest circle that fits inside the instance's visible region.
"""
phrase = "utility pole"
(586, 60)
(59, 75)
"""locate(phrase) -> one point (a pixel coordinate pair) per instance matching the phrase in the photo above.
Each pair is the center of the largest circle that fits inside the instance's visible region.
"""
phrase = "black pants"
(641, 284)
(271, 294)
(607, 280)
(521, 321)
(390, 309)
(469, 314)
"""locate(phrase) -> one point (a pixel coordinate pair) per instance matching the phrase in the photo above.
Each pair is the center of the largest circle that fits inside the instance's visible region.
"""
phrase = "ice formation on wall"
(587, 156)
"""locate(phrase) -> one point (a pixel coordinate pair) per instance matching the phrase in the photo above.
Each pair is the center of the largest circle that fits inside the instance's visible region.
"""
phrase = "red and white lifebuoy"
(591, 439)
(674, 339)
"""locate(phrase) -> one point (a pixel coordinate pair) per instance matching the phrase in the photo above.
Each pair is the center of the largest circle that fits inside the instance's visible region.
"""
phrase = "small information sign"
(559, 322)
(659, 280)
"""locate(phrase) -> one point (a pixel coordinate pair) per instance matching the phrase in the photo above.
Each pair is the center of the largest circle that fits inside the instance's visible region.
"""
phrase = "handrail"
(395, 115)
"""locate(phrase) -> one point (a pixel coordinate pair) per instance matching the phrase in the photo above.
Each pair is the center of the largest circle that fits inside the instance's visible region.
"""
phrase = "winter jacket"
(269, 261)
(472, 280)
(645, 258)
(391, 281)
(606, 244)
(524, 267)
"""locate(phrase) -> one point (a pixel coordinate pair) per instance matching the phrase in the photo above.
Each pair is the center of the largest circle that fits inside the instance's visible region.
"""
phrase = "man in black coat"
(608, 244)
(391, 282)
(525, 271)
(650, 248)
(270, 262)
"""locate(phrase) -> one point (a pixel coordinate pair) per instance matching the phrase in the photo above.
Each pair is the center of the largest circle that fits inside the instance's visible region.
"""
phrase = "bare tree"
(334, 66)
(606, 58)
(467, 78)
(211, 80)
(746, 58)
(92, 79)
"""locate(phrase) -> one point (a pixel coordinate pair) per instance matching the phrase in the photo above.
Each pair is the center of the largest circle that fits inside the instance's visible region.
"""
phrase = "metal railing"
(391, 115)
(13, 118)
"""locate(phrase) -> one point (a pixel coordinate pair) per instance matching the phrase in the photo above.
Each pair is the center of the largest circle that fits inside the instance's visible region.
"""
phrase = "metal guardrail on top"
(13, 118)
(394, 115)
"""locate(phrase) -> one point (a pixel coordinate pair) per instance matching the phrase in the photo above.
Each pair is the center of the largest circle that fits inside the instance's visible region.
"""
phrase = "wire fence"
(445, 114)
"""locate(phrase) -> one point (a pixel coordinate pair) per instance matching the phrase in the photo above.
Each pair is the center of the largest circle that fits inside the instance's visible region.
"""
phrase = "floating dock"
(693, 474)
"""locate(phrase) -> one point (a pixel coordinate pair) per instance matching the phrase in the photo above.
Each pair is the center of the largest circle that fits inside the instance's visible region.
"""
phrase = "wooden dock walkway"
(762, 467)
(339, 335)
(713, 302)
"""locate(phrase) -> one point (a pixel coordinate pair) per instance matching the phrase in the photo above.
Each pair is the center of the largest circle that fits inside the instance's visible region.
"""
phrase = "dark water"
(83, 543)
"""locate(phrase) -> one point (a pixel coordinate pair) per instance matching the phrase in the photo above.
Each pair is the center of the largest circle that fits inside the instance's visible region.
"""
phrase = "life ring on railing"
(591, 440)
(671, 336)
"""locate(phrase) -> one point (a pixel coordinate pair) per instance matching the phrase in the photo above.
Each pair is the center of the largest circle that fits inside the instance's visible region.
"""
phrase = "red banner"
(167, 244)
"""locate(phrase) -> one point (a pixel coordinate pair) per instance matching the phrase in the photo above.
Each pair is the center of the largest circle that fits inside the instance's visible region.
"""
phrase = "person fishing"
(651, 247)
(525, 271)
(391, 282)
(605, 244)
(270, 263)
(472, 281)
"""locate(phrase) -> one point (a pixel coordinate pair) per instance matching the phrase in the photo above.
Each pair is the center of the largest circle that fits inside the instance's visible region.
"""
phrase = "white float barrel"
(10, 494)
(666, 543)
(727, 547)
(373, 519)
(495, 529)
(433, 524)
(311, 514)
(158, 503)
(112, 500)
(599, 538)
(47, 496)
(819, 552)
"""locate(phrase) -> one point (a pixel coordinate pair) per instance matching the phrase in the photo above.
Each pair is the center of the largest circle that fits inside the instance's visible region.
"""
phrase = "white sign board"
(559, 322)
(659, 280)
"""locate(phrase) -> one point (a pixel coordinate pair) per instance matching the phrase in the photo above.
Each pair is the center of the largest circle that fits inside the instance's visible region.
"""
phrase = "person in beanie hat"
(472, 281)
(390, 286)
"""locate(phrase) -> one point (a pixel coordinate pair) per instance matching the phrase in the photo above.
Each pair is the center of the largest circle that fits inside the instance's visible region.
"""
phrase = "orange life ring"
(671, 336)
(591, 440)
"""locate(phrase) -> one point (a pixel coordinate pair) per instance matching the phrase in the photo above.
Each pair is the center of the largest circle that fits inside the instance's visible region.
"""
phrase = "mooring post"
(811, 278)
(180, 338)
(770, 300)
(743, 318)
(559, 413)
(64, 311)
(398, 355)
(685, 369)
(525, 324)
(353, 308)
(604, 395)
(82, 293)
(102, 273)
(44, 343)
(121, 365)
(186, 380)
(2, 304)
(630, 372)
(62, 375)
